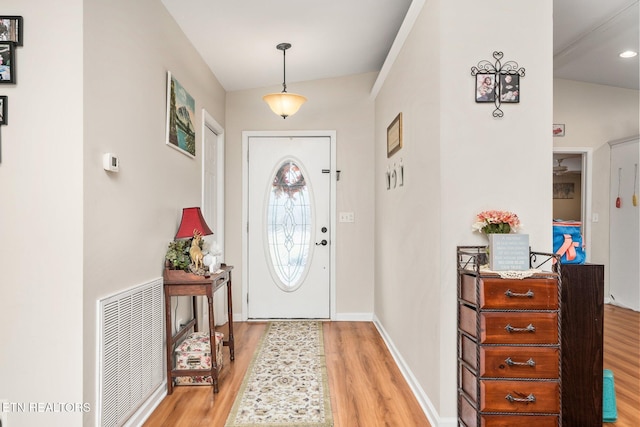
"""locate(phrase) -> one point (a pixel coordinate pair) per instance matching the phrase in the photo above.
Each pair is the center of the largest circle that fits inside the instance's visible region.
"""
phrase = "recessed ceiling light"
(628, 54)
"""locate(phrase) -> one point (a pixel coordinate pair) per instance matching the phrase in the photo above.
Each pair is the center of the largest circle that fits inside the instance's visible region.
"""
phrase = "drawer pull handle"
(528, 294)
(529, 399)
(529, 328)
(529, 362)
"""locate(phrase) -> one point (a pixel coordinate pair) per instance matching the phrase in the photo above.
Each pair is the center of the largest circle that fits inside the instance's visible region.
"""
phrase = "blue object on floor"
(609, 411)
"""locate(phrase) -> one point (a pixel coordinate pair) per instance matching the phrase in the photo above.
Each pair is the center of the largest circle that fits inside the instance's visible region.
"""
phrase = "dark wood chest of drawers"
(509, 353)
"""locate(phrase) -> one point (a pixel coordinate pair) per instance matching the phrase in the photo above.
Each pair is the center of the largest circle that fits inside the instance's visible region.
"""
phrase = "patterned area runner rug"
(286, 382)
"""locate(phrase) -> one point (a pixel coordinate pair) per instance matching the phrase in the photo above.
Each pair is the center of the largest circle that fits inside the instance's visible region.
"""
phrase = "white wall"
(91, 79)
(593, 115)
(459, 160)
(408, 258)
(131, 216)
(41, 215)
(340, 104)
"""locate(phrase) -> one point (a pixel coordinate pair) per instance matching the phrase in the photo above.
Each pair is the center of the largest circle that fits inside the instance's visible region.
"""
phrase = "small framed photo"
(11, 29)
(3, 110)
(394, 136)
(485, 87)
(509, 88)
(558, 130)
(7, 62)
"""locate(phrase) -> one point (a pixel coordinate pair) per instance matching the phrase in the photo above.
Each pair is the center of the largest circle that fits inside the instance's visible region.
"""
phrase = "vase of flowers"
(494, 222)
(502, 222)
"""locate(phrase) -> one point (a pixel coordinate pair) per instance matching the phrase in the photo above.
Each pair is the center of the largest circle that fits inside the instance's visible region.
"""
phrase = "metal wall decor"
(497, 82)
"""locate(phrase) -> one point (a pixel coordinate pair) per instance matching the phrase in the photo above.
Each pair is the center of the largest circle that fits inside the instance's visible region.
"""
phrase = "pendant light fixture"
(284, 104)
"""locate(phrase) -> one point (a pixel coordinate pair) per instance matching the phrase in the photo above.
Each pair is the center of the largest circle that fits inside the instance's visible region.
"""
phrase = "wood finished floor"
(367, 388)
(622, 356)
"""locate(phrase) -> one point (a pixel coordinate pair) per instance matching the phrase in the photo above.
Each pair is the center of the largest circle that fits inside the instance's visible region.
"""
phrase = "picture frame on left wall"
(7, 62)
(3, 110)
(394, 136)
(181, 131)
(11, 29)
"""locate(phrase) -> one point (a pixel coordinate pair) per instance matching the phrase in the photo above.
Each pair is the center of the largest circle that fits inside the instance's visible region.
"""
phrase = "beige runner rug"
(286, 382)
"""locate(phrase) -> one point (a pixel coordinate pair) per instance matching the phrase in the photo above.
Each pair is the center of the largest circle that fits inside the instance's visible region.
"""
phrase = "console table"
(180, 283)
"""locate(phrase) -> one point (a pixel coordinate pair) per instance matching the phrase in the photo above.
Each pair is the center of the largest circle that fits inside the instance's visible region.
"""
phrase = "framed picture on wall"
(564, 190)
(485, 87)
(394, 136)
(3, 110)
(509, 88)
(11, 29)
(181, 132)
(558, 130)
(7, 62)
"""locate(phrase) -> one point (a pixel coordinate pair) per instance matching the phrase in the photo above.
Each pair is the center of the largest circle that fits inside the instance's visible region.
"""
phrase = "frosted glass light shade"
(284, 104)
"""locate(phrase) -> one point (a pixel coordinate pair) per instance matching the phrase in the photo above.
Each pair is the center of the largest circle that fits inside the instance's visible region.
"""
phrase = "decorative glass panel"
(289, 225)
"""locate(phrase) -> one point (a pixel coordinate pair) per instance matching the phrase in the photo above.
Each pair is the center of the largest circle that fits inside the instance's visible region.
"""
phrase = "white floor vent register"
(130, 351)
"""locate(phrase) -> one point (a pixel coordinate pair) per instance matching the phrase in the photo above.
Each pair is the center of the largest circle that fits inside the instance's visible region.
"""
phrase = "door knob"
(323, 243)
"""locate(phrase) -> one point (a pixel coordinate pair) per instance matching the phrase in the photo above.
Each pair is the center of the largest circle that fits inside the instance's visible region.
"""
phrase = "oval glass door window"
(289, 225)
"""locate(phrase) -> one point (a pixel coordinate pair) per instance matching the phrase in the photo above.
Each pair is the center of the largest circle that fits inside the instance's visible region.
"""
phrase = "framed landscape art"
(181, 106)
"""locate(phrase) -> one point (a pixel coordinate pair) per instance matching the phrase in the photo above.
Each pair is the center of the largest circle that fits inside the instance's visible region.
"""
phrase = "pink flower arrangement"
(488, 222)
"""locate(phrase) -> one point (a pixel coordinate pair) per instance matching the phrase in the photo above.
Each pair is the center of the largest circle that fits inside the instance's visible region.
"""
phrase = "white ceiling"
(588, 36)
(332, 38)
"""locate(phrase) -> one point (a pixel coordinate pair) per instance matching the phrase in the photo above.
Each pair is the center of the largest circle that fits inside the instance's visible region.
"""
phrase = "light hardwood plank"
(622, 356)
(367, 388)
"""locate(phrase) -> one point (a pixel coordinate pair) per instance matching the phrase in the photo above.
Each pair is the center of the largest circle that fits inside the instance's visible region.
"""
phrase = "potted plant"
(178, 261)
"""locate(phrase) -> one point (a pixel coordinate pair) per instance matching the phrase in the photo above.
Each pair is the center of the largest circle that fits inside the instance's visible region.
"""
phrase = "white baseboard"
(425, 403)
(354, 317)
(140, 416)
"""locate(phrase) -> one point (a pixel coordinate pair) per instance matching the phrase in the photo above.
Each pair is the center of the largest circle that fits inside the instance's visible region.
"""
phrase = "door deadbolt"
(323, 229)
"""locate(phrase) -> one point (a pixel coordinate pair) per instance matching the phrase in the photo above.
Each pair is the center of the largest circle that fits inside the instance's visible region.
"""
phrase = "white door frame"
(211, 123)
(245, 213)
(587, 189)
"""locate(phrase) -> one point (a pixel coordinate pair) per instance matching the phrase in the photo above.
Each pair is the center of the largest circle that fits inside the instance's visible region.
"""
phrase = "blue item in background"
(609, 410)
(567, 242)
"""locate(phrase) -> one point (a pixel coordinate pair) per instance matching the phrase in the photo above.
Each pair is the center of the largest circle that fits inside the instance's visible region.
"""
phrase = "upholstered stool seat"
(194, 352)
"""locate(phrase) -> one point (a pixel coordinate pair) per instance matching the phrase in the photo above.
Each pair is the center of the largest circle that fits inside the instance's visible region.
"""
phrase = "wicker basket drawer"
(520, 396)
(519, 328)
(527, 294)
(519, 362)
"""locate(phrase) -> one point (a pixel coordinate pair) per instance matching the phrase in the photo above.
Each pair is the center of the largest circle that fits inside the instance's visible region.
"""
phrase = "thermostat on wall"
(110, 162)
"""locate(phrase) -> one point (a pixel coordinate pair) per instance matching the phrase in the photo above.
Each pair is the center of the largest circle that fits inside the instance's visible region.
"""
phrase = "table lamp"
(192, 223)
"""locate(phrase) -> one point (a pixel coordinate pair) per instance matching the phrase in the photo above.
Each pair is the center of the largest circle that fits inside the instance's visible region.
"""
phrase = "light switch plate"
(346, 217)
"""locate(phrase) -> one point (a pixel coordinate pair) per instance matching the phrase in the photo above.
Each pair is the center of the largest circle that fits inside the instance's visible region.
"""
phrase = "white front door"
(288, 231)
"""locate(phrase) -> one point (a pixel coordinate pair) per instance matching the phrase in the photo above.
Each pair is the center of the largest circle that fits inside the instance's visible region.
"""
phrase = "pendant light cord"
(284, 70)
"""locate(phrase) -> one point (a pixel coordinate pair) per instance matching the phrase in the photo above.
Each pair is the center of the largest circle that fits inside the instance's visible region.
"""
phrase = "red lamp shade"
(192, 221)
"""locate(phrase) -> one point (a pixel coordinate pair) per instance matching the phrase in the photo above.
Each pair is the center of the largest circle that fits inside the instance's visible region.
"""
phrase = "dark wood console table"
(179, 283)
